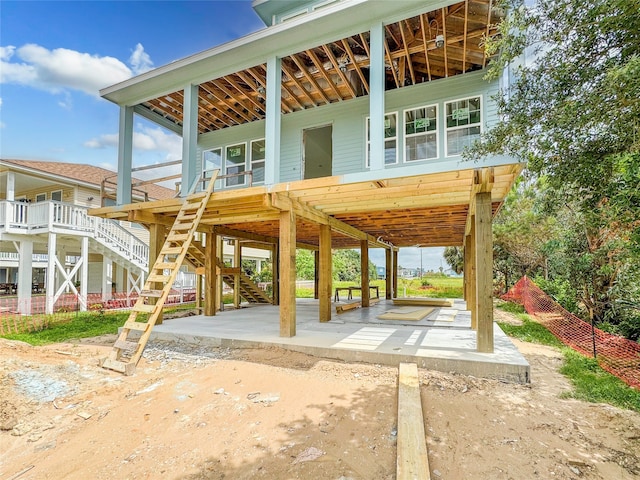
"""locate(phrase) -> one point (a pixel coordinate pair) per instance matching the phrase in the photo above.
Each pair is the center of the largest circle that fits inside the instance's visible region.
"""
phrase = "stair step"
(127, 368)
(186, 217)
(158, 278)
(151, 293)
(177, 237)
(164, 265)
(143, 308)
(125, 345)
(170, 250)
(181, 226)
(138, 326)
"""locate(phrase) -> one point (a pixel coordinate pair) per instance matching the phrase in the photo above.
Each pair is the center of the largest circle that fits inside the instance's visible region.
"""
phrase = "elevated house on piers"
(339, 125)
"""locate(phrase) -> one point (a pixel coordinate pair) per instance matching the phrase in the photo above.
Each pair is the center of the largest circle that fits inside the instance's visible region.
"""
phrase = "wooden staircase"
(248, 290)
(126, 353)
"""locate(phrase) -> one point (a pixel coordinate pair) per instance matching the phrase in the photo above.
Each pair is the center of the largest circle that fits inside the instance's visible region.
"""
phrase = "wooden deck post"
(466, 267)
(388, 265)
(364, 272)
(287, 273)
(156, 241)
(275, 274)
(484, 272)
(316, 274)
(394, 273)
(471, 290)
(325, 273)
(219, 283)
(237, 265)
(210, 274)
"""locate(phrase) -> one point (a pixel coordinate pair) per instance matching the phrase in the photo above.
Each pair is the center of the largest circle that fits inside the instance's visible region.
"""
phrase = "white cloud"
(145, 139)
(62, 69)
(140, 60)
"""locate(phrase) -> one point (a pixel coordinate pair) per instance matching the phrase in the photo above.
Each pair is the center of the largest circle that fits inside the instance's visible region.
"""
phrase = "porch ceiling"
(339, 70)
(426, 210)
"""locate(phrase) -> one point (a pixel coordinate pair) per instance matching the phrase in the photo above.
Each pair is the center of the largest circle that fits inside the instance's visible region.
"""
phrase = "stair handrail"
(130, 246)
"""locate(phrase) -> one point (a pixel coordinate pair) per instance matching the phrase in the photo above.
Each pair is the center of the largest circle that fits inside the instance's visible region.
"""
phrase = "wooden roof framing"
(338, 70)
(426, 210)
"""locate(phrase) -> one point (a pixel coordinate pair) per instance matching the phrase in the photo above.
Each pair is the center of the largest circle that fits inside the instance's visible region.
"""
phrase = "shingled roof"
(88, 174)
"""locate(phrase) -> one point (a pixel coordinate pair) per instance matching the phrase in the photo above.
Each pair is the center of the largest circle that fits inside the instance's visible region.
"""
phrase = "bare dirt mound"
(191, 412)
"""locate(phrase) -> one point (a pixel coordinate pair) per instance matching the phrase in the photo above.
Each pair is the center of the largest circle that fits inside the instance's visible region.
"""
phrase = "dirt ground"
(196, 413)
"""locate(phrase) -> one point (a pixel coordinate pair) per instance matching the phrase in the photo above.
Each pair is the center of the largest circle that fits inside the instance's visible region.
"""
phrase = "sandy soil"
(191, 413)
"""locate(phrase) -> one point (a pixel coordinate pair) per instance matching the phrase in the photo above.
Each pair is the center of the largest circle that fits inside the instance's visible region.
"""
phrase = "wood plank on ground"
(413, 460)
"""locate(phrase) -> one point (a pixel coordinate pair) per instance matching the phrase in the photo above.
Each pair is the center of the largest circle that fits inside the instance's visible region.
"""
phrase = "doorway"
(317, 145)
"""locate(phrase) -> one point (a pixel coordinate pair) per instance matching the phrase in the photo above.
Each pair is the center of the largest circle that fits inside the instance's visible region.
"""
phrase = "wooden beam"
(471, 301)
(340, 73)
(394, 273)
(237, 264)
(303, 69)
(210, 275)
(412, 458)
(487, 33)
(464, 42)
(316, 274)
(320, 66)
(287, 274)
(364, 272)
(406, 50)
(294, 79)
(325, 273)
(352, 58)
(484, 273)
(388, 277)
(424, 41)
(444, 32)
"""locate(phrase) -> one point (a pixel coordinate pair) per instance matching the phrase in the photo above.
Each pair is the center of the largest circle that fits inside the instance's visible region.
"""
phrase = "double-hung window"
(390, 139)
(421, 133)
(235, 164)
(463, 120)
(211, 161)
(257, 160)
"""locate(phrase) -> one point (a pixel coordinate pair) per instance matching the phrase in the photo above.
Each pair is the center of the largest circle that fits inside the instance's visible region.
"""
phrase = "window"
(421, 133)
(211, 160)
(463, 124)
(235, 163)
(390, 139)
(56, 196)
(257, 160)
(41, 197)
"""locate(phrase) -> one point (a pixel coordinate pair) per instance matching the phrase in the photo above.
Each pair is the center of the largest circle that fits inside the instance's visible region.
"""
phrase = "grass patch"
(593, 384)
(530, 331)
(511, 307)
(590, 382)
(81, 325)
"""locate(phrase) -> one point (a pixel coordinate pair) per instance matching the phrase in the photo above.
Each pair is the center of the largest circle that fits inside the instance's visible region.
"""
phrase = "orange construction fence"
(614, 353)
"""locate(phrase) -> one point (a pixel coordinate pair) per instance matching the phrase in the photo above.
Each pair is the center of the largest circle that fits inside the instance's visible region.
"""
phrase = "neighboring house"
(49, 243)
(340, 125)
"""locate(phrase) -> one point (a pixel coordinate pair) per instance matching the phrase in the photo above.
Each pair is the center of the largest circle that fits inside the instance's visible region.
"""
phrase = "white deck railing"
(58, 217)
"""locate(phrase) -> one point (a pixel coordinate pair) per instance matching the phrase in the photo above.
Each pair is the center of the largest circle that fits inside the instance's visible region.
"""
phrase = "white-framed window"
(258, 152)
(235, 162)
(211, 161)
(390, 139)
(464, 124)
(421, 133)
(56, 196)
(41, 197)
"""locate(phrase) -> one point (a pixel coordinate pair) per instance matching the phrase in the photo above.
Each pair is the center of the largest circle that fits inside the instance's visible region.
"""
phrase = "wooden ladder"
(171, 257)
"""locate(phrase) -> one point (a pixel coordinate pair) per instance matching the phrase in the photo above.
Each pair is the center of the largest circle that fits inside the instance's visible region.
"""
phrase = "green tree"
(455, 258)
(573, 113)
(305, 264)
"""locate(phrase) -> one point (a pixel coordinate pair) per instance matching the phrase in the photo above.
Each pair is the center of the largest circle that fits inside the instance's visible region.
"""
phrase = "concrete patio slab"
(442, 341)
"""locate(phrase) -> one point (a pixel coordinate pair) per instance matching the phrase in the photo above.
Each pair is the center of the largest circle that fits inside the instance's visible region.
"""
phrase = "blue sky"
(56, 55)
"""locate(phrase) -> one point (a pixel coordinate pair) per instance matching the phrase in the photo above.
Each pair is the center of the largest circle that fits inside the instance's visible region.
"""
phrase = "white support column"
(11, 186)
(272, 123)
(84, 274)
(189, 138)
(107, 278)
(125, 155)
(376, 98)
(50, 281)
(25, 277)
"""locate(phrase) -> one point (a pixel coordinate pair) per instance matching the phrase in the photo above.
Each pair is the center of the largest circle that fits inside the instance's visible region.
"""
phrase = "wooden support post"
(156, 241)
(219, 283)
(316, 274)
(471, 290)
(237, 264)
(199, 293)
(364, 272)
(388, 265)
(466, 267)
(325, 273)
(287, 274)
(484, 273)
(275, 271)
(394, 273)
(210, 274)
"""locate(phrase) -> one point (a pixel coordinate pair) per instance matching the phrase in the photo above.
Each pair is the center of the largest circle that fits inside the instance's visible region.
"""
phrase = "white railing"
(20, 217)
(14, 256)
